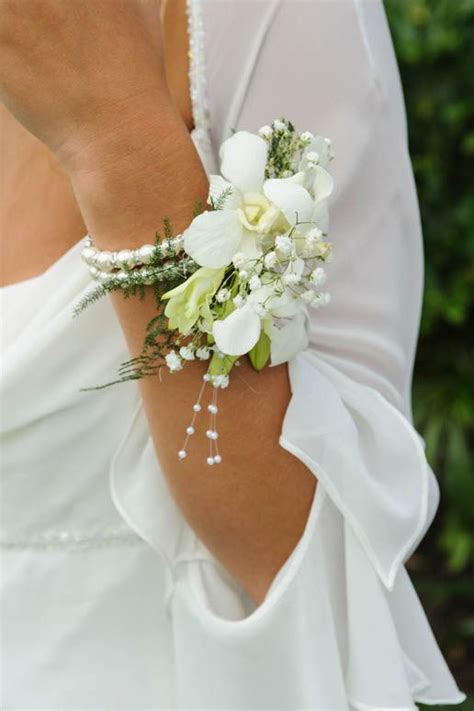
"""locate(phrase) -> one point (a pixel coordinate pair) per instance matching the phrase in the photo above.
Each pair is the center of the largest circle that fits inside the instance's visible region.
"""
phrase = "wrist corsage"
(240, 279)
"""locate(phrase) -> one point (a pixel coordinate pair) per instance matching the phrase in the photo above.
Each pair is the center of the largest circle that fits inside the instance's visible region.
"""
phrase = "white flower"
(238, 332)
(294, 271)
(243, 275)
(288, 337)
(313, 158)
(308, 296)
(186, 352)
(328, 142)
(291, 279)
(321, 299)
(284, 244)
(238, 260)
(220, 381)
(279, 125)
(316, 144)
(277, 302)
(239, 301)
(223, 295)
(173, 361)
(255, 282)
(203, 353)
(313, 236)
(265, 132)
(260, 309)
(323, 184)
(318, 276)
(270, 260)
(306, 137)
(252, 205)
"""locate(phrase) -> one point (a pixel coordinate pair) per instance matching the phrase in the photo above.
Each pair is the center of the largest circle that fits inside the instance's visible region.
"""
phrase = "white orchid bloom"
(238, 332)
(251, 206)
(317, 179)
(288, 338)
(277, 304)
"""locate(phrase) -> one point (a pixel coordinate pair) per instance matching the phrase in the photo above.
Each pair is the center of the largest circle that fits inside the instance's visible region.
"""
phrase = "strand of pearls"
(105, 265)
(211, 433)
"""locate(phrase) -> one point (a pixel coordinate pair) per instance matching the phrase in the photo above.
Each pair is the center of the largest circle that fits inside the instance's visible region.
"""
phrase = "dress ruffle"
(342, 602)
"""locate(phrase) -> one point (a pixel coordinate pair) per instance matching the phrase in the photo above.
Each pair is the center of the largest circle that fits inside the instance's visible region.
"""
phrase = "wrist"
(111, 133)
(126, 180)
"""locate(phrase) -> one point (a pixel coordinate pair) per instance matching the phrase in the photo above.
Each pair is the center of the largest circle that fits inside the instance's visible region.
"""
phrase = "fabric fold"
(367, 456)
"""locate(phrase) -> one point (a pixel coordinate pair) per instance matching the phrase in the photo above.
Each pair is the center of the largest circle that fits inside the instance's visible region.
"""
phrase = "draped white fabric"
(110, 600)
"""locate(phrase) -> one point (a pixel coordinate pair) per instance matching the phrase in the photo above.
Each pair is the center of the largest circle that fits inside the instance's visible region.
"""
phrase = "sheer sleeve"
(341, 626)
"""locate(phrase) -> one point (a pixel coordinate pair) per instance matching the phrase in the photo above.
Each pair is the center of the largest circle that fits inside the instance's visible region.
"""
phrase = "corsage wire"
(241, 278)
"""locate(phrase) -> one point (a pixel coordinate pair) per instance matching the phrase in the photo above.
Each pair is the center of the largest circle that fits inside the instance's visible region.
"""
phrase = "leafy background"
(434, 45)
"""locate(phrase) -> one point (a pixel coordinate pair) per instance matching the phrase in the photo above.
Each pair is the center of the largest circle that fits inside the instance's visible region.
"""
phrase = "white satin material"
(151, 620)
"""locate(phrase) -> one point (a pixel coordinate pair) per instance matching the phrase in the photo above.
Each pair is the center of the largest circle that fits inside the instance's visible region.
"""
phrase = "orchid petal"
(218, 186)
(213, 238)
(249, 245)
(288, 340)
(317, 145)
(320, 217)
(323, 184)
(239, 332)
(243, 159)
(293, 200)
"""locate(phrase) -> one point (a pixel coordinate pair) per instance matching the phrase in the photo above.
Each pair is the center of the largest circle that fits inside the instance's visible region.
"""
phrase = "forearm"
(251, 511)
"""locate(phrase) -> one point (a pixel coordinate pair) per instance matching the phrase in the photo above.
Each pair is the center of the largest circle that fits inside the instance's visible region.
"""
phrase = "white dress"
(110, 601)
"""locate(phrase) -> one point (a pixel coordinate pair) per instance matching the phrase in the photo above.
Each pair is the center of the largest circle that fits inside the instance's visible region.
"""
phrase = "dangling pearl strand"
(214, 456)
(212, 434)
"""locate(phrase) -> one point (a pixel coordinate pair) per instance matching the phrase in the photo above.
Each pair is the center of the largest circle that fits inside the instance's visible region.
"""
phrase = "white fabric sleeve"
(340, 626)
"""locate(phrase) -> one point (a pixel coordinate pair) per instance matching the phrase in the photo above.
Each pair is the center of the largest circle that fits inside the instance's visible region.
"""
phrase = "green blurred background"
(435, 50)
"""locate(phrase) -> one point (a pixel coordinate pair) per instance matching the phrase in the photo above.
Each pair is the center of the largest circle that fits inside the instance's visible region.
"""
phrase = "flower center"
(256, 213)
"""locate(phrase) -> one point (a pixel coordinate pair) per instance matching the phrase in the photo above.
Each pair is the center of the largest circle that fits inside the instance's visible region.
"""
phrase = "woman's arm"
(131, 163)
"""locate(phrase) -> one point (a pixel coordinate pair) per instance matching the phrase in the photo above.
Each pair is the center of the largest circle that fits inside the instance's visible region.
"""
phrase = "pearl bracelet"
(106, 266)
(128, 259)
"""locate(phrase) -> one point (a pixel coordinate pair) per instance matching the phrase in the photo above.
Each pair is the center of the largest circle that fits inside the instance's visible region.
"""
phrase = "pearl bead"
(121, 276)
(182, 454)
(208, 433)
(214, 435)
(94, 272)
(124, 259)
(197, 407)
(190, 430)
(206, 377)
(104, 261)
(147, 276)
(104, 277)
(88, 254)
(145, 253)
(217, 459)
(210, 461)
(212, 408)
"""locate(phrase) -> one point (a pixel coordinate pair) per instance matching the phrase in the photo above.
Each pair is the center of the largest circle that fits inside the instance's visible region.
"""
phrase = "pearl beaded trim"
(197, 73)
(54, 539)
(105, 266)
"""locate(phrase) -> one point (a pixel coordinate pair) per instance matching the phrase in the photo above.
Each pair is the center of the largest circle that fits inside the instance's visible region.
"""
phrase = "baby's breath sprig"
(283, 143)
